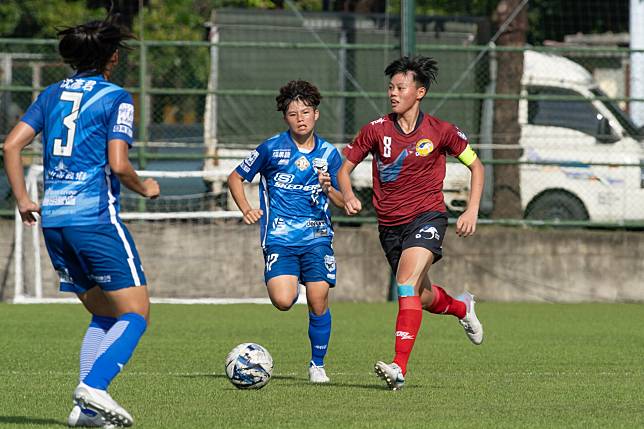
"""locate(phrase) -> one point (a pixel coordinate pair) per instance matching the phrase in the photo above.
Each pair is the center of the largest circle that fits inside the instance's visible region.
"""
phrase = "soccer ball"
(249, 366)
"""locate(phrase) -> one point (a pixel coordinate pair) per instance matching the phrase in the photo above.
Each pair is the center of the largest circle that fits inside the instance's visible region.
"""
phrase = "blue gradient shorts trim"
(309, 263)
(101, 255)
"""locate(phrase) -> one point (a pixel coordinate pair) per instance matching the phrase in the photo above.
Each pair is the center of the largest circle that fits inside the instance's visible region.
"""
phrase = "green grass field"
(541, 365)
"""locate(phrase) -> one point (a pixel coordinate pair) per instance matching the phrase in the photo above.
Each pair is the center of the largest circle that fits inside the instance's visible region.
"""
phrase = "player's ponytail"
(90, 46)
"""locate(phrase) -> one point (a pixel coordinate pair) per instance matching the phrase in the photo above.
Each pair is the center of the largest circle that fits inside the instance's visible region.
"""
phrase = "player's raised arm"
(236, 187)
(121, 166)
(352, 204)
(19, 137)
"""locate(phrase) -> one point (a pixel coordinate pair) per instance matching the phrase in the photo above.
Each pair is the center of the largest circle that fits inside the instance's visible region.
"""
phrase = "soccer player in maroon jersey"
(409, 148)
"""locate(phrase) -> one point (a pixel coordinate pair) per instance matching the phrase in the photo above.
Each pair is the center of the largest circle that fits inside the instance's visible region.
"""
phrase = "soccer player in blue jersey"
(298, 179)
(86, 124)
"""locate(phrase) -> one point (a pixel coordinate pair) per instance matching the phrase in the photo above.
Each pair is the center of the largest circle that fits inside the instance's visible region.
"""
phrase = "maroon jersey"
(408, 169)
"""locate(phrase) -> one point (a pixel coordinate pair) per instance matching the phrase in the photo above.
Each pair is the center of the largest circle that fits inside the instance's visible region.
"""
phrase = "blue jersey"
(77, 117)
(296, 211)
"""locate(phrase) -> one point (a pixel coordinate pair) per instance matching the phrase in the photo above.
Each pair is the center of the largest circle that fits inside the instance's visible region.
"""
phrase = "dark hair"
(424, 69)
(298, 90)
(90, 46)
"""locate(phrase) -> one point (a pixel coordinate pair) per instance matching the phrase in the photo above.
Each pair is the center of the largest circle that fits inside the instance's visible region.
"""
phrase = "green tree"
(36, 18)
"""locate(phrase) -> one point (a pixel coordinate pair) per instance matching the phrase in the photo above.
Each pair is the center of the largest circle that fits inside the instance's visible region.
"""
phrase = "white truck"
(567, 137)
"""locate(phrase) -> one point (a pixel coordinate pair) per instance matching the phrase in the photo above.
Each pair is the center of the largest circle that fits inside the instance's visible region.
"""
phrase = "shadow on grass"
(302, 379)
(24, 420)
(204, 375)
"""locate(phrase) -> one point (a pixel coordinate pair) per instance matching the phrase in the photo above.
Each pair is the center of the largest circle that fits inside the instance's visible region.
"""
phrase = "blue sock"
(319, 334)
(98, 327)
(116, 349)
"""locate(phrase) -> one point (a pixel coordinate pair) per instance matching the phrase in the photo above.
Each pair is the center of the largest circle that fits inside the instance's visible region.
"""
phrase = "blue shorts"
(101, 255)
(309, 263)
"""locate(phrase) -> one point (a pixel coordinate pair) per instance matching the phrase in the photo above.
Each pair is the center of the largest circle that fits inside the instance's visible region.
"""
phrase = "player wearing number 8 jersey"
(409, 149)
(87, 128)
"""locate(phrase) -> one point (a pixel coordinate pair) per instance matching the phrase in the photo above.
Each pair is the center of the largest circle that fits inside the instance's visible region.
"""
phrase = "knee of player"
(318, 307)
(406, 281)
(282, 304)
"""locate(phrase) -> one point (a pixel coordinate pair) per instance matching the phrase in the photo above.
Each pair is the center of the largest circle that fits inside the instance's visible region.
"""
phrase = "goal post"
(193, 250)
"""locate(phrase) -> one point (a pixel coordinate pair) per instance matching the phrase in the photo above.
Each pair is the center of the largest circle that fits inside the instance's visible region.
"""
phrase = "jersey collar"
(88, 74)
(394, 118)
(316, 141)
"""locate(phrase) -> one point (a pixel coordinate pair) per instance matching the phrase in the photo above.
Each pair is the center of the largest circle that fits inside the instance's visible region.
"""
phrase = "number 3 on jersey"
(70, 122)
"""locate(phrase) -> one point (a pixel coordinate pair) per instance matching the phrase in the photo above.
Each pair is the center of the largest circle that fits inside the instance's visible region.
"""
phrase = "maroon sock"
(445, 304)
(410, 316)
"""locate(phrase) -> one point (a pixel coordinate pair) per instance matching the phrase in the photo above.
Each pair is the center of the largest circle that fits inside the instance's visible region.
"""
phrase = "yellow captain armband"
(468, 156)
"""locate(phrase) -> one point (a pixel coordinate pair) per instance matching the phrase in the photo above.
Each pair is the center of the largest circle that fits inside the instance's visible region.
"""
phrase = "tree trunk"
(507, 190)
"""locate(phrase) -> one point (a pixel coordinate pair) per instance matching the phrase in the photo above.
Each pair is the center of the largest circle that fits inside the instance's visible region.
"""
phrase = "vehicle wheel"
(556, 205)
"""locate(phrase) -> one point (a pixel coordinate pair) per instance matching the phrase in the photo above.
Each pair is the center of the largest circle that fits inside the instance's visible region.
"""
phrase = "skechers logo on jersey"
(404, 335)
(296, 186)
(283, 177)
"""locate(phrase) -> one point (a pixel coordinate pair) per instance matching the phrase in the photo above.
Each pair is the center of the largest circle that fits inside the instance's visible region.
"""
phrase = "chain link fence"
(577, 157)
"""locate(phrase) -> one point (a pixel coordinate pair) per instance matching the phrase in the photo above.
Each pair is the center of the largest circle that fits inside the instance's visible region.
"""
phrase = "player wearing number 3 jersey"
(86, 126)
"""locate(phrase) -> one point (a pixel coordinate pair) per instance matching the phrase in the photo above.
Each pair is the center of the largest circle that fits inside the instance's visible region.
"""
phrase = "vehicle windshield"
(624, 120)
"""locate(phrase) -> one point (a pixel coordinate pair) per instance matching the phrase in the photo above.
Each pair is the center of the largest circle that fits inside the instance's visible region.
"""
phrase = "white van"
(572, 134)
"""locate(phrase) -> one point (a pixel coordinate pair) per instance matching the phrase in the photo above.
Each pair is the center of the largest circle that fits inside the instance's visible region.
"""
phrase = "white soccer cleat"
(78, 419)
(391, 374)
(471, 324)
(317, 374)
(101, 402)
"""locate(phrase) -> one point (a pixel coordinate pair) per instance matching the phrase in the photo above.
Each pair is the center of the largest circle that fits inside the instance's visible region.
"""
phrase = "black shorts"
(426, 231)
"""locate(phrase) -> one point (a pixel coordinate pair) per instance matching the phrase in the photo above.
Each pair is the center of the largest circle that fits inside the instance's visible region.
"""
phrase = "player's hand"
(152, 189)
(252, 215)
(28, 210)
(325, 182)
(466, 223)
(352, 205)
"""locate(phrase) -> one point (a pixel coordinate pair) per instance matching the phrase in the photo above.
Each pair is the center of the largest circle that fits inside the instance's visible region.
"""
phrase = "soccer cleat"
(471, 324)
(101, 402)
(391, 374)
(317, 374)
(78, 419)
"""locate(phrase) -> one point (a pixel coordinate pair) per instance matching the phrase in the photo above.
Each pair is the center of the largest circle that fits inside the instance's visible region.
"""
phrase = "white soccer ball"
(249, 366)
